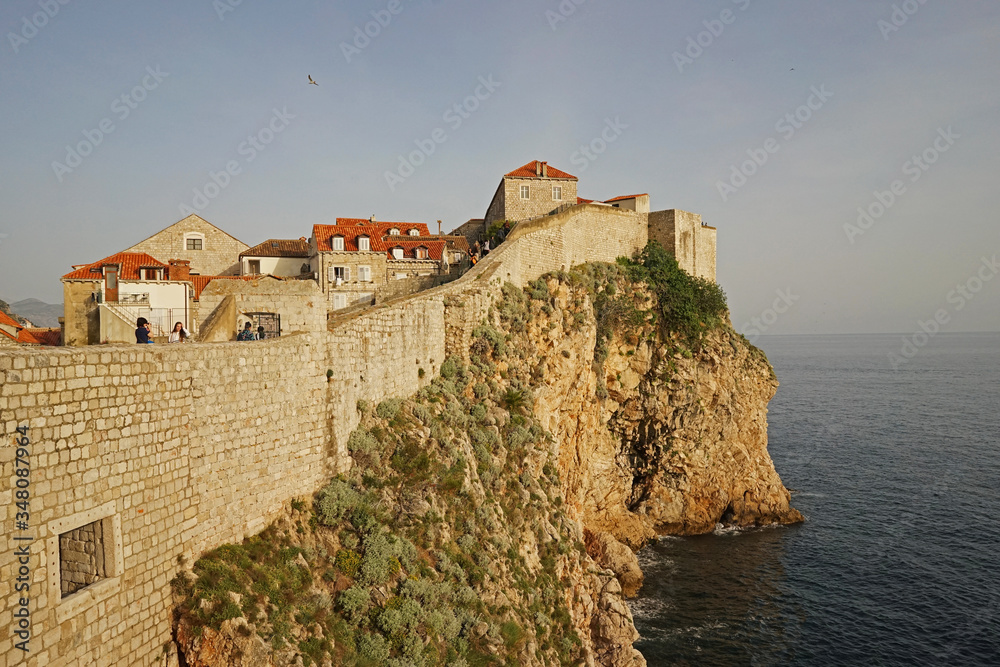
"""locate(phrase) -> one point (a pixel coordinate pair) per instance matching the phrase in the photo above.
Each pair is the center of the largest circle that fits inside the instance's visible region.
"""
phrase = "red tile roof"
(581, 200)
(129, 265)
(434, 248)
(611, 201)
(278, 248)
(24, 336)
(352, 228)
(47, 336)
(530, 170)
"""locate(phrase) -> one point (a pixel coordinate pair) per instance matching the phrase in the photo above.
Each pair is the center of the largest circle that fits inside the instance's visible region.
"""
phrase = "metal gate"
(270, 321)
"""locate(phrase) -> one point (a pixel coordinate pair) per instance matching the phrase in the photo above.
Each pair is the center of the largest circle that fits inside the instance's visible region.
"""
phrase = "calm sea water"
(898, 563)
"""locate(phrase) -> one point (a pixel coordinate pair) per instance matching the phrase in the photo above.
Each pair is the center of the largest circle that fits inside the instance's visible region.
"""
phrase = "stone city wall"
(179, 449)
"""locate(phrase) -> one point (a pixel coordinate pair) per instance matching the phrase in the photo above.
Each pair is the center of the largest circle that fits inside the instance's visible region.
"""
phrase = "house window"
(525, 192)
(254, 267)
(194, 243)
(340, 274)
(365, 274)
(339, 301)
(337, 242)
(421, 253)
(397, 253)
(414, 232)
(393, 232)
(364, 244)
(557, 192)
(149, 274)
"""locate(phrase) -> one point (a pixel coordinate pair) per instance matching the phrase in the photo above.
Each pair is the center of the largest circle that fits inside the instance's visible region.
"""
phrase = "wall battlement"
(175, 450)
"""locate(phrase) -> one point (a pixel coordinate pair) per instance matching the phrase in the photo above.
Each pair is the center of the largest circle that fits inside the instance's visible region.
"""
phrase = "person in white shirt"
(179, 334)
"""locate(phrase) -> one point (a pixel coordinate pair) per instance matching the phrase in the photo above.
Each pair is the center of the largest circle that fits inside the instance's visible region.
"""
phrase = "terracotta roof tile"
(47, 336)
(24, 336)
(530, 170)
(129, 265)
(434, 248)
(278, 248)
(352, 228)
(581, 200)
(611, 201)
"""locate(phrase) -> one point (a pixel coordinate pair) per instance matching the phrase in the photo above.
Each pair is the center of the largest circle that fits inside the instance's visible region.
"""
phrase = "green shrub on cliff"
(689, 306)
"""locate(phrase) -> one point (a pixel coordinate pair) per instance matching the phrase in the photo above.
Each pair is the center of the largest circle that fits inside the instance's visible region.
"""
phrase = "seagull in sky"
(311, 80)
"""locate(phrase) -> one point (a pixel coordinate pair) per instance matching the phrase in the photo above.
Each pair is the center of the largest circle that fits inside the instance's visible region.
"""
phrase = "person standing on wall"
(246, 334)
(179, 334)
(142, 331)
(260, 333)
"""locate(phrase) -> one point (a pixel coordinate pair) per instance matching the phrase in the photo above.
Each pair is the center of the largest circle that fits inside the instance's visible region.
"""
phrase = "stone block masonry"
(175, 450)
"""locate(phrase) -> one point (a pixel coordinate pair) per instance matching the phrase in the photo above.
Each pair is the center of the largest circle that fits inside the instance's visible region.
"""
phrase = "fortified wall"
(142, 458)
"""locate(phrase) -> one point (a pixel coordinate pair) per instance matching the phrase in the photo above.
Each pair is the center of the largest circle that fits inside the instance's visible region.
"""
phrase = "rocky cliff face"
(485, 520)
(659, 439)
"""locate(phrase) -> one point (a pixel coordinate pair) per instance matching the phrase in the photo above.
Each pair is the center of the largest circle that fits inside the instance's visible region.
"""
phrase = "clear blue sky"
(221, 79)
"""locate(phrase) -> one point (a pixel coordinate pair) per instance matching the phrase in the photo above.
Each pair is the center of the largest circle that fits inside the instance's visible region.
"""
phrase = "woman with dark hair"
(179, 334)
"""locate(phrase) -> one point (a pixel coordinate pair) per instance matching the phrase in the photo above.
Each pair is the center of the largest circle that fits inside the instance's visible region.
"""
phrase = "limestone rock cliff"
(676, 445)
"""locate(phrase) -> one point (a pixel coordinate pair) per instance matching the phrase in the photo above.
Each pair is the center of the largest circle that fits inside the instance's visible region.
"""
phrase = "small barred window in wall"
(364, 243)
(525, 192)
(557, 192)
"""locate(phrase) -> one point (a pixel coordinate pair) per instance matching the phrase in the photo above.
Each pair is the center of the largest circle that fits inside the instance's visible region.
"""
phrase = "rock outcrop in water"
(485, 520)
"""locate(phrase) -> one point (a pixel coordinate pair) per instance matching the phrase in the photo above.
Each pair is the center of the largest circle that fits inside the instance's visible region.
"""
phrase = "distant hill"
(40, 314)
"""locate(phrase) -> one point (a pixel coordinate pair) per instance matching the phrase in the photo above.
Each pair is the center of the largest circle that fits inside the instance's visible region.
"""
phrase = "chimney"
(538, 168)
(180, 269)
(439, 228)
(545, 170)
(372, 219)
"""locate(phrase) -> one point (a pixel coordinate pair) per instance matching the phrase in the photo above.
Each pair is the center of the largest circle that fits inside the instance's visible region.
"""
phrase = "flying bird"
(311, 80)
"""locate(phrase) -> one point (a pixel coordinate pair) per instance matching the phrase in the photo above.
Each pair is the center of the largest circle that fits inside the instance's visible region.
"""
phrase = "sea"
(897, 471)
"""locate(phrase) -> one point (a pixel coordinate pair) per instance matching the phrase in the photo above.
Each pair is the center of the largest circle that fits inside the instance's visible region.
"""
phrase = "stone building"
(210, 251)
(528, 192)
(360, 261)
(277, 257)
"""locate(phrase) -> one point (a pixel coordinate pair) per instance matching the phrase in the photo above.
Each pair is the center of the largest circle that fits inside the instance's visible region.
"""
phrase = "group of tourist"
(248, 334)
(143, 332)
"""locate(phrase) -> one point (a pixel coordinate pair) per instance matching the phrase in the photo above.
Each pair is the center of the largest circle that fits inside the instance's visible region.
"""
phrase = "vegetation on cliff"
(612, 395)
(445, 544)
